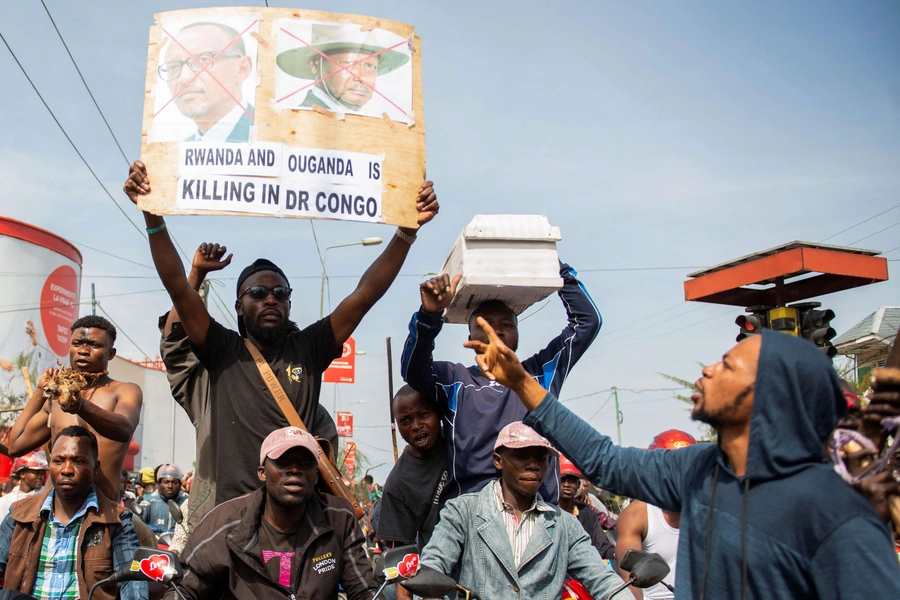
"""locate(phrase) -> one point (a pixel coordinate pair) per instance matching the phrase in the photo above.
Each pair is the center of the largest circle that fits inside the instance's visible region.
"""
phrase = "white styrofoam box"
(511, 258)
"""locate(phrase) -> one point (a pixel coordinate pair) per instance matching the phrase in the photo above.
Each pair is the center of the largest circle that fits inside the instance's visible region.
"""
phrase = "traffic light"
(753, 323)
(785, 320)
(815, 325)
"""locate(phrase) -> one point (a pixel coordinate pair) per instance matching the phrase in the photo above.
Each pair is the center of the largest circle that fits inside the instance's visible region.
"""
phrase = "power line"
(874, 234)
(112, 255)
(641, 269)
(69, 139)
(531, 314)
(72, 58)
(635, 343)
(316, 240)
(119, 327)
(860, 223)
(73, 304)
(602, 406)
(628, 334)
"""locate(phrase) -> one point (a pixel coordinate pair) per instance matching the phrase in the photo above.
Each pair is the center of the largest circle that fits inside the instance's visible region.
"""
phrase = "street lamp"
(334, 408)
(369, 241)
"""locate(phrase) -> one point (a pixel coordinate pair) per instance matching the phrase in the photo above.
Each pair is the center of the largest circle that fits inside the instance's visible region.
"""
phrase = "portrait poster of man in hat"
(206, 81)
(343, 68)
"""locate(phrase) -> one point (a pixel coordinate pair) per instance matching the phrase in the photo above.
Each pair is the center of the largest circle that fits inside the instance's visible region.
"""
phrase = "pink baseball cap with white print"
(281, 440)
(519, 435)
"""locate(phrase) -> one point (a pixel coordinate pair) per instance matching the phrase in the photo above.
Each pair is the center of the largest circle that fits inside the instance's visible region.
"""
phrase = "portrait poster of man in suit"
(206, 81)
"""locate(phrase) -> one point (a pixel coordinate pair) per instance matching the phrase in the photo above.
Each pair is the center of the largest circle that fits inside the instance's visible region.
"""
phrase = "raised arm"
(381, 274)
(654, 476)
(31, 429)
(207, 259)
(417, 361)
(186, 300)
(554, 363)
(118, 424)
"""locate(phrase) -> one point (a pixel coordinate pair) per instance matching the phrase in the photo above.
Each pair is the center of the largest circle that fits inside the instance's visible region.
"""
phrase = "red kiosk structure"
(767, 282)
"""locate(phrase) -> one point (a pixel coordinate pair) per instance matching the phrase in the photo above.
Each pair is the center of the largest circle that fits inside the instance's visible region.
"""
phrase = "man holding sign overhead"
(242, 413)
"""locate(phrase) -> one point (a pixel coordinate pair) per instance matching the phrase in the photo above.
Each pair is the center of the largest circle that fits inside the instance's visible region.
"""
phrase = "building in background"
(162, 420)
(869, 341)
(39, 300)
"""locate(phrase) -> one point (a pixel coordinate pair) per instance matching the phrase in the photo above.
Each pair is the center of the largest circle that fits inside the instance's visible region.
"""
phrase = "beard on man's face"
(723, 416)
(269, 333)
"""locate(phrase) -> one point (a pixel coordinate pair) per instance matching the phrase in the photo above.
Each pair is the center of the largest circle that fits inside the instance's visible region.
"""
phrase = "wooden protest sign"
(283, 112)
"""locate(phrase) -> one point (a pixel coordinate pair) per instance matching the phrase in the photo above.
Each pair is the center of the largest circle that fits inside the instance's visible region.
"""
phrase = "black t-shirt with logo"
(409, 507)
(244, 411)
(280, 552)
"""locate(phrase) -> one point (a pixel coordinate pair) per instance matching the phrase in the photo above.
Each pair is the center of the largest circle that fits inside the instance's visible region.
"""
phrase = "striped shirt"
(57, 572)
(519, 531)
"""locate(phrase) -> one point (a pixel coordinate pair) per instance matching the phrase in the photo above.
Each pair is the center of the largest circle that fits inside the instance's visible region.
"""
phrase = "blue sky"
(654, 135)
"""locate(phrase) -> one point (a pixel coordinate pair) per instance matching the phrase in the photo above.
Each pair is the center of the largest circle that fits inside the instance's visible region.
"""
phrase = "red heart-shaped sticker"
(155, 567)
(409, 566)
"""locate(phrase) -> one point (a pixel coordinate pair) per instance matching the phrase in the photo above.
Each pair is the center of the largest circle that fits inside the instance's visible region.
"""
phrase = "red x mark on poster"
(343, 68)
(206, 69)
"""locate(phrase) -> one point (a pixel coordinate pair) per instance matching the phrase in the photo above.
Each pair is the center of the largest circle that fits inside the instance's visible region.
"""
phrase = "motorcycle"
(164, 540)
(149, 564)
(647, 569)
(573, 590)
(401, 564)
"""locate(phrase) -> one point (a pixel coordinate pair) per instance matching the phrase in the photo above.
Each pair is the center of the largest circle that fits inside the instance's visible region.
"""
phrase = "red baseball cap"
(519, 435)
(281, 440)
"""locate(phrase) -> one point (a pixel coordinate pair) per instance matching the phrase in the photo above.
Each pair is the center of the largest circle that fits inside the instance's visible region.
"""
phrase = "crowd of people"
(499, 486)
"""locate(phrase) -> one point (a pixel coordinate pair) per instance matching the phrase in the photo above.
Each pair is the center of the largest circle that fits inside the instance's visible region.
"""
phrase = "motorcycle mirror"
(401, 563)
(133, 506)
(151, 564)
(175, 511)
(649, 571)
(631, 557)
(148, 564)
(430, 583)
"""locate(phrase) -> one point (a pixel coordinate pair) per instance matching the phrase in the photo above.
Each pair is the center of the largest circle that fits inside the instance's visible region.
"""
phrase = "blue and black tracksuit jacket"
(475, 409)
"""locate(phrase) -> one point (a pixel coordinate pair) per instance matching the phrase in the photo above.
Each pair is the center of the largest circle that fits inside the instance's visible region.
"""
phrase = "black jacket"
(223, 558)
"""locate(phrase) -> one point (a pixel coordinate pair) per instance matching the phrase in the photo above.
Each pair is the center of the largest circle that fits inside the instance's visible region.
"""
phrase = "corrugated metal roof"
(883, 323)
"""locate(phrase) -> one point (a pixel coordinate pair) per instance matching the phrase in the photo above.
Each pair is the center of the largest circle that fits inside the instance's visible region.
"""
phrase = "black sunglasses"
(261, 292)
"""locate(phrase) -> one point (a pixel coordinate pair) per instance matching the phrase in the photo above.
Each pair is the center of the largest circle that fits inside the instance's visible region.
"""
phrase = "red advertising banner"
(345, 424)
(343, 369)
(350, 459)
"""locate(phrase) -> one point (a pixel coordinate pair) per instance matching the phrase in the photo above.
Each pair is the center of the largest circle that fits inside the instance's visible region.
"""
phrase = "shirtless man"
(110, 409)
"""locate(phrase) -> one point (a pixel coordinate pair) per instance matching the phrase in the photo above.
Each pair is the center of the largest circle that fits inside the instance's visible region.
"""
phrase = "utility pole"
(204, 292)
(93, 301)
(619, 418)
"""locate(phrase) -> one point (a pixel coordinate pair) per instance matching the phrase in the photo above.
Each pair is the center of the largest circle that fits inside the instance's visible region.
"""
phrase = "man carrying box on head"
(475, 409)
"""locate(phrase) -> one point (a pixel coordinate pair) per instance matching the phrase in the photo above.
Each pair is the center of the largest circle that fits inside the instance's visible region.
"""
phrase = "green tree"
(846, 370)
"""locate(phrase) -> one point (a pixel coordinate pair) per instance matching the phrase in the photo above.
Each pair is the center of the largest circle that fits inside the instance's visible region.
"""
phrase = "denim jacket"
(471, 539)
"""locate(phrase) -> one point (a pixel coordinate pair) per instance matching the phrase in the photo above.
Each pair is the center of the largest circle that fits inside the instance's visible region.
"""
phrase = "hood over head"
(796, 405)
